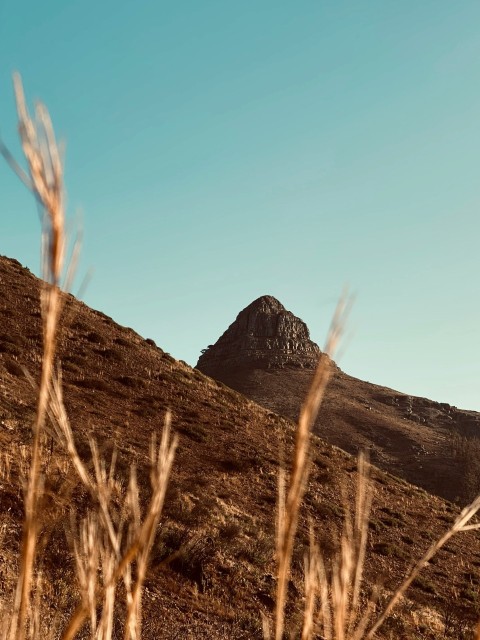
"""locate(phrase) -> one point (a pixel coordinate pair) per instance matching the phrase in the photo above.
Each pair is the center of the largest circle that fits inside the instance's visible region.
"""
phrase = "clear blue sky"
(220, 150)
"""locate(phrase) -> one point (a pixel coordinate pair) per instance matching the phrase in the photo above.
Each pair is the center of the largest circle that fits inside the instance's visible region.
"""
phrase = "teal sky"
(218, 151)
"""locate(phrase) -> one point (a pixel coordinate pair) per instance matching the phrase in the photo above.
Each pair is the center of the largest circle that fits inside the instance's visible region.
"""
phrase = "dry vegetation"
(216, 566)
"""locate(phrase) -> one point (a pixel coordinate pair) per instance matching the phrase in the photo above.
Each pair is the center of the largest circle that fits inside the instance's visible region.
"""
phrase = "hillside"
(219, 514)
(266, 355)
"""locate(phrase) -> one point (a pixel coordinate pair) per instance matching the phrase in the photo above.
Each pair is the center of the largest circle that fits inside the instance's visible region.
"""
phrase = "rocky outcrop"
(264, 336)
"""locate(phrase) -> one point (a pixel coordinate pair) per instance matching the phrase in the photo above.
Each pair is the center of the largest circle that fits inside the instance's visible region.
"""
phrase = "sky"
(218, 151)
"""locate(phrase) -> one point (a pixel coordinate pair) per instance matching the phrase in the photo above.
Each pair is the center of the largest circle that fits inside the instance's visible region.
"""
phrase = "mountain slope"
(219, 514)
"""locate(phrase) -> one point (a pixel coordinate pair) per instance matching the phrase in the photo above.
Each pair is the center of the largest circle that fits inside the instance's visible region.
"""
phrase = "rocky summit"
(264, 336)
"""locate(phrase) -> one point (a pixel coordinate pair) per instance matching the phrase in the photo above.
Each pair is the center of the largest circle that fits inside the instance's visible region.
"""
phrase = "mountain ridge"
(406, 435)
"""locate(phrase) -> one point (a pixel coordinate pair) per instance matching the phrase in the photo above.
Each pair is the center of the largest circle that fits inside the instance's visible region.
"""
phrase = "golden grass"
(46, 176)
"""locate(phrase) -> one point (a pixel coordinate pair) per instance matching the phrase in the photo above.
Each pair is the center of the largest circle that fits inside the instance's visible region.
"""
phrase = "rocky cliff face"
(264, 336)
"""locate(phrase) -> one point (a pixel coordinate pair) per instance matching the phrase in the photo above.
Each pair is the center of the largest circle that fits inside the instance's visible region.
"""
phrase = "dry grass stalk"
(340, 615)
(46, 180)
(117, 564)
(86, 554)
(289, 501)
(311, 568)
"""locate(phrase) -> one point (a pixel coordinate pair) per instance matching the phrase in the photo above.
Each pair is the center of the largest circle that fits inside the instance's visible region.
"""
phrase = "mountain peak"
(264, 335)
(267, 303)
